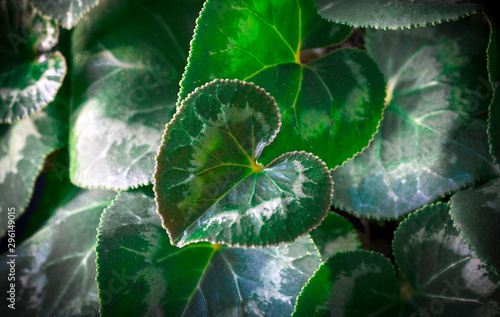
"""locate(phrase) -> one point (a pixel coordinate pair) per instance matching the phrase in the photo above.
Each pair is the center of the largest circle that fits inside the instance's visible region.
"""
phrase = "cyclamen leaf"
(330, 107)
(431, 141)
(476, 215)
(128, 60)
(66, 12)
(209, 185)
(141, 274)
(29, 75)
(335, 234)
(494, 76)
(395, 14)
(55, 268)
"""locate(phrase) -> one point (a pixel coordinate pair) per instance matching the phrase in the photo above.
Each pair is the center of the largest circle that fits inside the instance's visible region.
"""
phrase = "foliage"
(241, 157)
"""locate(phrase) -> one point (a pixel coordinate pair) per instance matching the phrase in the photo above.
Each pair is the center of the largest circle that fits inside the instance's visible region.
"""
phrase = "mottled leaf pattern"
(66, 12)
(141, 274)
(209, 184)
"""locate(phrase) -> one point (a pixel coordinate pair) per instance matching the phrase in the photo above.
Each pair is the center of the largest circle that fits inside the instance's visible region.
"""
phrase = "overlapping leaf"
(395, 14)
(432, 140)
(30, 75)
(330, 107)
(141, 274)
(128, 60)
(209, 185)
(55, 268)
(66, 12)
(476, 215)
(445, 276)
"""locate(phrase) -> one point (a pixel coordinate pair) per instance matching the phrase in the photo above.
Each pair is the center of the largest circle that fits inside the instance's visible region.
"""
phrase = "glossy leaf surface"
(476, 215)
(431, 142)
(128, 60)
(335, 234)
(55, 268)
(66, 12)
(395, 14)
(29, 75)
(330, 107)
(357, 283)
(209, 184)
(140, 273)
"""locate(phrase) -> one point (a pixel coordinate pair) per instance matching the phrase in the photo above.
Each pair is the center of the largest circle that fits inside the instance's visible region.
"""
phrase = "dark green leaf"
(395, 14)
(335, 234)
(431, 141)
(330, 107)
(476, 215)
(29, 75)
(141, 274)
(446, 276)
(209, 184)
(494, 77)
(55, 268)
(66, 12)
(128, 60)
(358, 283)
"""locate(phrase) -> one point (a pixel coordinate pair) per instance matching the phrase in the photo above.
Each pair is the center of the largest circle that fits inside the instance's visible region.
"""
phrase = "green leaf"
(141, 274)
(209, 185)
(128, 60)
(29, 75)
(431, 141)
(358, 283)
(445, 274)
(494, 78)
(330, 107)
(395, 14)
(335, 234)
(24, 146)
(55, 268)
(476, 215)
(66, 12)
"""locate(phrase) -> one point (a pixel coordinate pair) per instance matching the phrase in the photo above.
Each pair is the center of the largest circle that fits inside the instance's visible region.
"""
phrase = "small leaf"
(66, 12)
(209, 185)
(330, 107)
(358, 283)
(29, 75)
(141, 274)
(335, 234)
(476, 215)
(126, 79)
(55, 268)
(446, 276)
(395, 14)
(432, 140)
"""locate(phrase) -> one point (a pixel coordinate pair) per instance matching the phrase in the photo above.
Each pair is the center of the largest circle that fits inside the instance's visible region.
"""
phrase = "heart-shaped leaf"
(209, 185)
(55, 268)
(66, 12)
(141, 274)
(128, 59)
(395, 14)
(444, 275)
(330, 107)
(476, 215)
(431, 141)
(29, 75)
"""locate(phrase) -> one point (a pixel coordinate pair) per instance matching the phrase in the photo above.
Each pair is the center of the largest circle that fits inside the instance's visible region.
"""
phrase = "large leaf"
(24, 146)
(476, 215)
(209, 184)
(431, 141)
(141, 274)
(445, 277)
(128, 60)
(330, 107)
(55, 268)
(29, 75)
(395, 14)
(494, 77)
(66, 12)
